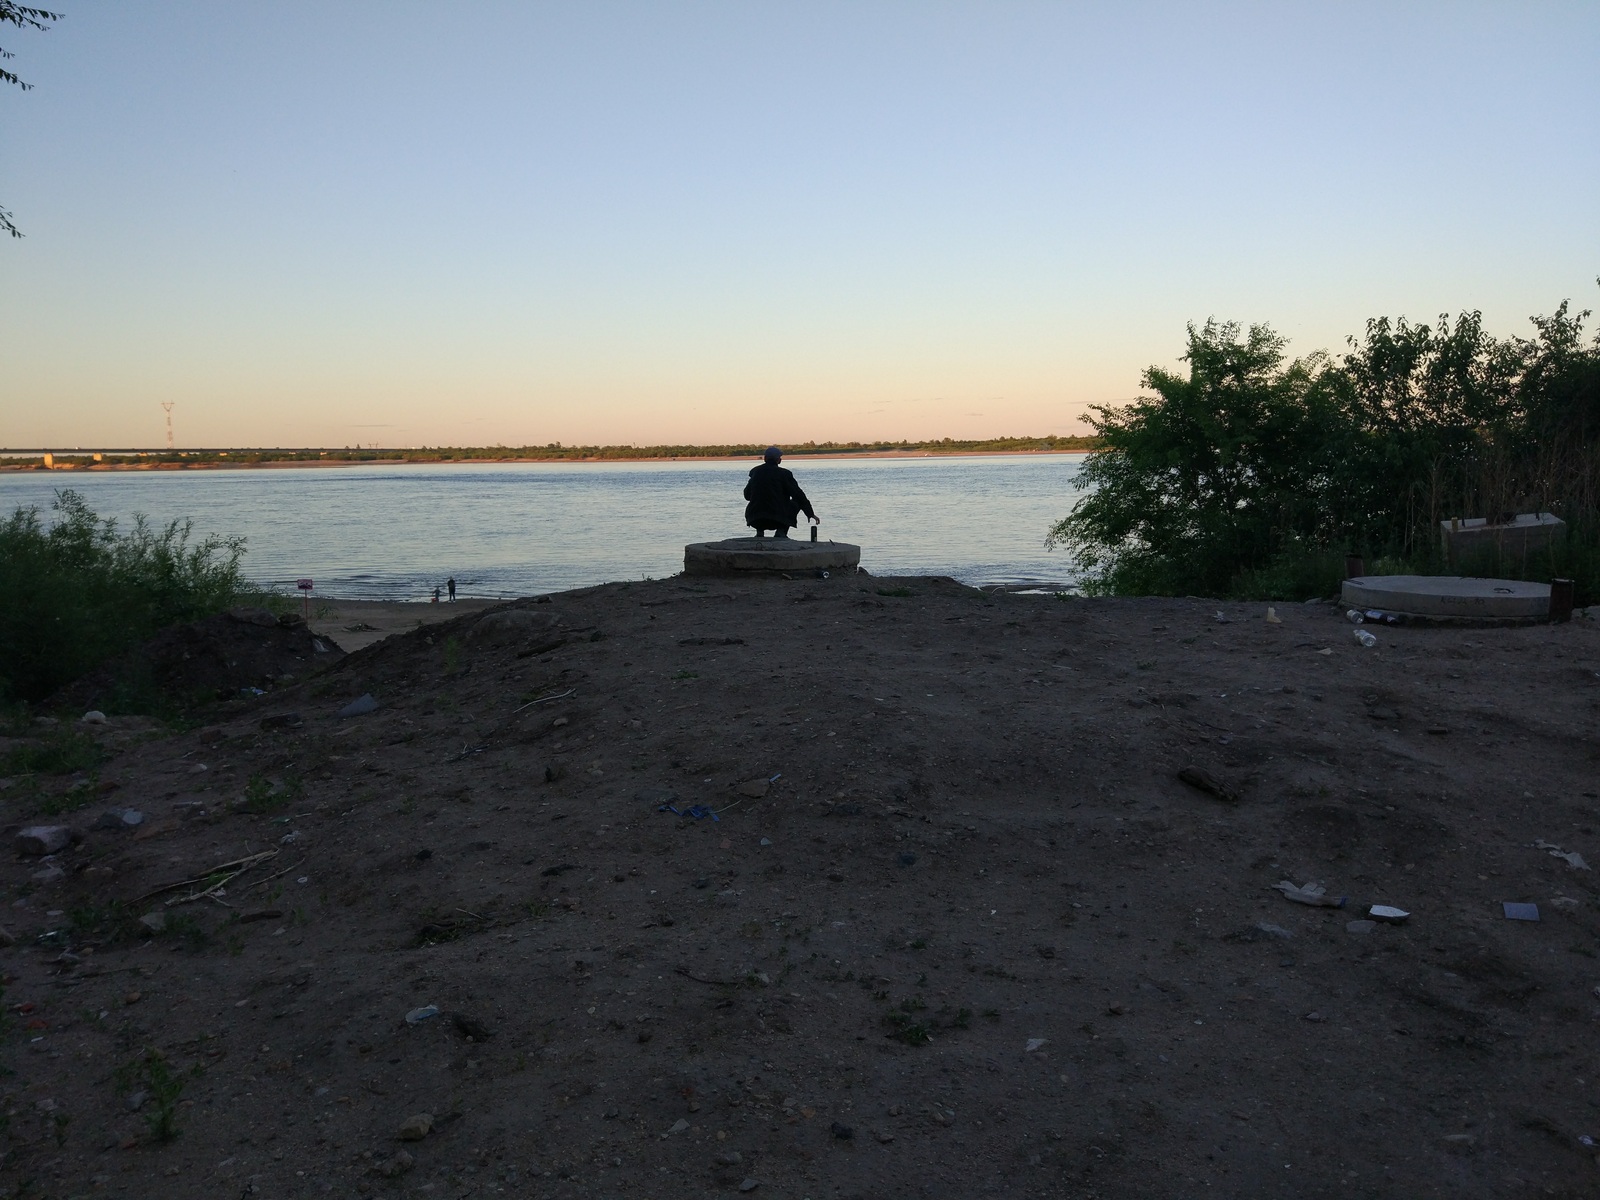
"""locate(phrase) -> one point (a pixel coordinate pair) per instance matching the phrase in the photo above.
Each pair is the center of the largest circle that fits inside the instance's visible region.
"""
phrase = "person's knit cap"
(773, 454)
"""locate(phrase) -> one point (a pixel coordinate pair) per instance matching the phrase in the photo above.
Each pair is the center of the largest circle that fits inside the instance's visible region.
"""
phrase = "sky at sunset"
(403, 223)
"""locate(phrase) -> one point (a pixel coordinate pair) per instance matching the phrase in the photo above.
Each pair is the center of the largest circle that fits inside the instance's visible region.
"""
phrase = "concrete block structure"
(1475, 540)
(1448, 596)
(769, 556)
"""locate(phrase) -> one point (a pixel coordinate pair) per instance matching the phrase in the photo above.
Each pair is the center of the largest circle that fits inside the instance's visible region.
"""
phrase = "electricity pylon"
(167, 404)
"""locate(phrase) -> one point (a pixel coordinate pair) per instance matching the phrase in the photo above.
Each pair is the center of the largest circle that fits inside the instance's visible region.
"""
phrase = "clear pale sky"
(404, 223)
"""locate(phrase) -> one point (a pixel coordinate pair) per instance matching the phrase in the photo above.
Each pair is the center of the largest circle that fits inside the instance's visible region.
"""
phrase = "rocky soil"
(842, 888)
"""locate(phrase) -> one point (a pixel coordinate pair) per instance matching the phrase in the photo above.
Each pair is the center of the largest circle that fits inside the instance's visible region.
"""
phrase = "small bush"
(63, 751)
(262, 795)
(80, 591)
(151, 1073)
(108, 924)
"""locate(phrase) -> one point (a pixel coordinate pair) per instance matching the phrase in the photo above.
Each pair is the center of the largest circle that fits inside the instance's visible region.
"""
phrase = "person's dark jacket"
(775, 498)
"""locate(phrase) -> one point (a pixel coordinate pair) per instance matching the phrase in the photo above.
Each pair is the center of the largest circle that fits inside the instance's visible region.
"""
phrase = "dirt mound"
(244, 650)
(830, 888)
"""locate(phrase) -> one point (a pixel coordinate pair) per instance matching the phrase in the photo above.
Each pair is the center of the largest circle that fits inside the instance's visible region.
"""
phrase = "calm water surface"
(519, 529)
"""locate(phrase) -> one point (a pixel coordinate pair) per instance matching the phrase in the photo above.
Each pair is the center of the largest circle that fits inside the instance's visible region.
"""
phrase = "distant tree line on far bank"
(1253, 476)
(553, 452)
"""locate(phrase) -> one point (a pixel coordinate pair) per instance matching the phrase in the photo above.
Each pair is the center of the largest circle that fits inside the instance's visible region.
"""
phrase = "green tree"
(1217, 472)
(22, 18)
(1252, 477)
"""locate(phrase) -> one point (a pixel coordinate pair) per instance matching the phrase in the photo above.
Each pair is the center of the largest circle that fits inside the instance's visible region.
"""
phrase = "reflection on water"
(518, 529)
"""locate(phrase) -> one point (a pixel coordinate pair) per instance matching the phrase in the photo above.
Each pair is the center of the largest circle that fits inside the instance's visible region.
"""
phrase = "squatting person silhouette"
(775, 499)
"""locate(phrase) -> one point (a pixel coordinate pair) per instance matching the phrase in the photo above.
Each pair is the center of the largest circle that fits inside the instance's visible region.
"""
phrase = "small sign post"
(305, 586)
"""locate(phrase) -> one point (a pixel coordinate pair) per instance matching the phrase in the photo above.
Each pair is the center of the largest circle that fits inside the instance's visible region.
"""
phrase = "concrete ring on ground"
(1448, 596)
(769, 556)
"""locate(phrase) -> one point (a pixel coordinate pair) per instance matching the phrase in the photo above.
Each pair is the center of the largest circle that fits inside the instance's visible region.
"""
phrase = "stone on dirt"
(1203, 780)
(398, 1165)
(43, 839)
(415, 1128)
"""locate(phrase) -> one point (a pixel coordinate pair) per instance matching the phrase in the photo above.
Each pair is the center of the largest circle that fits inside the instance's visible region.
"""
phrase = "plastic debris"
(418, 1015)
(1520, 912)
(1313, 894)
(697, 811)
(360, 707)
(1369, 640)
(1571, 857)
(1388, 913)
(1034, 1044)
(1354, 616)
(1272, 616)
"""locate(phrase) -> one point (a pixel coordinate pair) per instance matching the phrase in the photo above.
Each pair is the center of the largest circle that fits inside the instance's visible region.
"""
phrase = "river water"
(395, 532)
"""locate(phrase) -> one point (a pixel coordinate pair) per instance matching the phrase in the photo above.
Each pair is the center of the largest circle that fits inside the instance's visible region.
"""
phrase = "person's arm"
(799, 497)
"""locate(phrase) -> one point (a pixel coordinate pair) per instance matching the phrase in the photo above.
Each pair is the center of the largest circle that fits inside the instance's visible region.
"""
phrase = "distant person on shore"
(451, 584)
(436, 595)
(775, 498)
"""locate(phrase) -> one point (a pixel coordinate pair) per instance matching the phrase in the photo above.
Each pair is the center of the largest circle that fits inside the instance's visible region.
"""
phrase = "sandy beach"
(355, 624)
(852, 887)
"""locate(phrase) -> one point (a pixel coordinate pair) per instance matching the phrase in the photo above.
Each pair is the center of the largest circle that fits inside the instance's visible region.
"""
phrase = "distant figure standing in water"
(775, 498)
(451, 584)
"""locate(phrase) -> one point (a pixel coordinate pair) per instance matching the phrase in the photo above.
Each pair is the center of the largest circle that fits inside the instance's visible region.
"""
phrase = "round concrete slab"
(752, 555)
(1448, 596)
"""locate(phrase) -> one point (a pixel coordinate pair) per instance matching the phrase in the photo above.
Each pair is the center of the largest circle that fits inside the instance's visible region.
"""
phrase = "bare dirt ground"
(973, 937)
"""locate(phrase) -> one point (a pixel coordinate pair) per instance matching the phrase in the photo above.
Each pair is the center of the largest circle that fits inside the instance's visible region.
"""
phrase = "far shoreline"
(596, 460)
